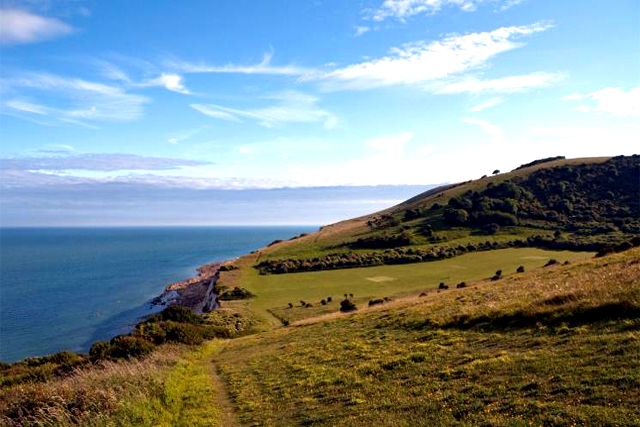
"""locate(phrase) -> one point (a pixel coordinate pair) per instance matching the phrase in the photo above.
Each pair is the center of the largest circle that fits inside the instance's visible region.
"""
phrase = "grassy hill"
(556, 346)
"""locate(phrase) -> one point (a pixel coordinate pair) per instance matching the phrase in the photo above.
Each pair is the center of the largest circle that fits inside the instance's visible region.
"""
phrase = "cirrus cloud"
(19, 27)
(421, 62)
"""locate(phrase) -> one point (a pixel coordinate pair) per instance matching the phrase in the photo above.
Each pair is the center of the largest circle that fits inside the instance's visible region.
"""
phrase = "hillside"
(577, 204)
(557, 346)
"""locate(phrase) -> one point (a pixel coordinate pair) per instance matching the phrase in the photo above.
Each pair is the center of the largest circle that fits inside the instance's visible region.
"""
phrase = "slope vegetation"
(555, 346)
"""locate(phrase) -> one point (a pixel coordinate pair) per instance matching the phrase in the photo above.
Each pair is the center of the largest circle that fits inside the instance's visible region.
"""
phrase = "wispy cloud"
(421, 62)
(104, 162)
(403, 9)
(494, 131)
(183, 136)
(487, 104)
(505, 84)
(291, 107)
(76, 100)
(361, 29)
(611, 100)
(19, 26)
(263, 67)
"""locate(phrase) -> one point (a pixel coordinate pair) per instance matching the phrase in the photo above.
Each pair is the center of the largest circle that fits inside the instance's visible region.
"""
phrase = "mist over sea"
(63, 288)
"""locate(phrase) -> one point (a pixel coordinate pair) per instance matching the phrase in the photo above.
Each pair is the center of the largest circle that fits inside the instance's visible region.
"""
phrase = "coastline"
(198, 293)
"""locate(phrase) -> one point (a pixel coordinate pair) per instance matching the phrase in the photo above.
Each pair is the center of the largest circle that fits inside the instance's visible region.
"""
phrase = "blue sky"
(157, 97)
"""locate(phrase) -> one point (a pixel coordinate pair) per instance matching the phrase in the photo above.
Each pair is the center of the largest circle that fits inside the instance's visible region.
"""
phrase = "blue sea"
(64, 288)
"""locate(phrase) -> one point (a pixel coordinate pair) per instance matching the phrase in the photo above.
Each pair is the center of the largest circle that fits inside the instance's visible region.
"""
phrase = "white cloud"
(82, 99)
(215, 112)
(292, 107)
(420, 62)
(263, 67)
(27, 107)
(361, 29)
(403, 9)
(172, 82)
(611, 100)
(506, 84)
(487, 104)
(19, 26)
(186, 135)
(105, 162)
(494, 131)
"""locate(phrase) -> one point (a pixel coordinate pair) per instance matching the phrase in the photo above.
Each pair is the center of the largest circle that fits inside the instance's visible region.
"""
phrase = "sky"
(282, 112)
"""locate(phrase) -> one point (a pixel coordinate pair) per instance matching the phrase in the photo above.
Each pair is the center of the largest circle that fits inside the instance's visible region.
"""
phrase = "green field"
(551, 347)
(277, 291)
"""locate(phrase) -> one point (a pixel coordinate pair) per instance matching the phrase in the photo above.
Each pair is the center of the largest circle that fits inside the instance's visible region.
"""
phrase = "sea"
(65, 288)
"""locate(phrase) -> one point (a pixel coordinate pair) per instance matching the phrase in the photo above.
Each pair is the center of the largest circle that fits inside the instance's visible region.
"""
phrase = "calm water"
(63, 288)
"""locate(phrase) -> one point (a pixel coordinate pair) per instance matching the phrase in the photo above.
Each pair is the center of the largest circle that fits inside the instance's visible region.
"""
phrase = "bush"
(443, 286)
(492, 228)
(323, 302)
(176, 313)
(185, 333)
(290, 305)
(520, 269)
(551, 262)
(128, 346)
(328, 299)
(376, 302)
(235, 294)
(461, 285)
(100, 350)
(347, 305)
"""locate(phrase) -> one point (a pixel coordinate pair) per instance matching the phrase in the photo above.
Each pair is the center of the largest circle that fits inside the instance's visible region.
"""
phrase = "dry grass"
(556, 347)
(88, 396)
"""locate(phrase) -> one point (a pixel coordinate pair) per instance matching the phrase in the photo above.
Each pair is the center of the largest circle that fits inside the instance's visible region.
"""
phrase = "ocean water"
(64, 288)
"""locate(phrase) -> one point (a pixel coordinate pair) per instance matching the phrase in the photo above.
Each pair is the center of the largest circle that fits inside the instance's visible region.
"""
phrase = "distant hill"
(580, 204)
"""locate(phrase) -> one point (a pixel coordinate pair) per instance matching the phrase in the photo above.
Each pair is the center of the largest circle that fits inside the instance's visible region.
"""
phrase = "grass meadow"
(275, 292)
(556, 346)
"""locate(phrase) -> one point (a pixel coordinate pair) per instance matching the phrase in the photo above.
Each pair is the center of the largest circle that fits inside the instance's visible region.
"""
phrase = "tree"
(496, 172)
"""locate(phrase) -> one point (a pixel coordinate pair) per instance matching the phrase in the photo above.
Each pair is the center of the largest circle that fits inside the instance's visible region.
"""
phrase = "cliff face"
(197, 293)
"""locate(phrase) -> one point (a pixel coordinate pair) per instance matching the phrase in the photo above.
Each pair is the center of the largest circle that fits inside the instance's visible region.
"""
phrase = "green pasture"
(277, 291)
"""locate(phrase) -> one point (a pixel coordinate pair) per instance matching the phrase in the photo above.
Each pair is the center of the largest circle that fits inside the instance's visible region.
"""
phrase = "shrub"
(461, 285)
(128, 346)
(235, 294)
(443, 286)
(496, 172)
(290, 305)
(100, 350)
(520, 269)
(492, 228)
(347, 305)
(499, 273)
(328, 299)
(323, 302)
(376, 302)
(423, 294)
(185, 333)
(552, 261)
(496, 277)
(176, 313)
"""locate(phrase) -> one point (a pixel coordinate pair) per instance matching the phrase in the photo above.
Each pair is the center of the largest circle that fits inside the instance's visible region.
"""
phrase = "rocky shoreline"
(198, 293)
